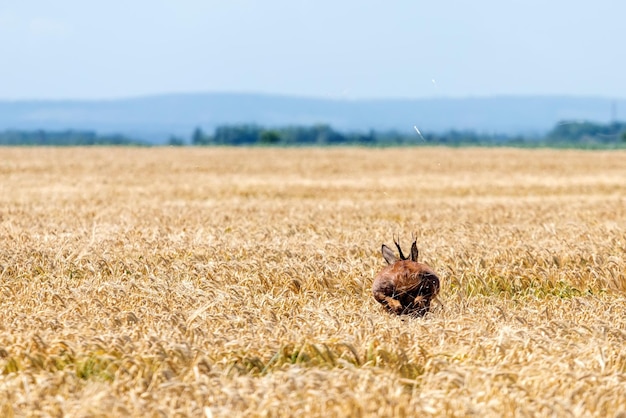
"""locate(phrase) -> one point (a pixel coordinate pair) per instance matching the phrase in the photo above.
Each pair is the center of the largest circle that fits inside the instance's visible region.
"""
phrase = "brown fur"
(405, 286)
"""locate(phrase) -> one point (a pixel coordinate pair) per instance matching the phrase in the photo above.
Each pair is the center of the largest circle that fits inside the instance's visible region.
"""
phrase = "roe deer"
(405, 286)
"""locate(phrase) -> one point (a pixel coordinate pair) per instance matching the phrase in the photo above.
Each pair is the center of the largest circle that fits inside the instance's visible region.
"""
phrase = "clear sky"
(345, 49)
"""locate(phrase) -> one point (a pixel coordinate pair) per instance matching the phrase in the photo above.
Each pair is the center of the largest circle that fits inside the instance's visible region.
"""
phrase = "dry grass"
(223, 282)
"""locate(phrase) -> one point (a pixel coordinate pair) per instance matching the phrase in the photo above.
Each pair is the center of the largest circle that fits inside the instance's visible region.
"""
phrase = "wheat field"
(219, 282)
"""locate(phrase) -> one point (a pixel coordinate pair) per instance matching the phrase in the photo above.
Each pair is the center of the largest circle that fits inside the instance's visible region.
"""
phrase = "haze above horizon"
(69, 49)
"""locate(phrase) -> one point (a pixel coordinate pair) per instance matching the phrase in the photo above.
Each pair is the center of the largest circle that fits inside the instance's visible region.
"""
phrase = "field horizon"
(155, 118)
(237, 281)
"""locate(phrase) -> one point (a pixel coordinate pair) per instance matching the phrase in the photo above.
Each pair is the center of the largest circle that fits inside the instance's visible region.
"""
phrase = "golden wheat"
(221, 282)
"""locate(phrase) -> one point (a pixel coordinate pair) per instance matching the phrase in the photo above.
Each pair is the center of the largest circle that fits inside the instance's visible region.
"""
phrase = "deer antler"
(414, 250)
(402, 257)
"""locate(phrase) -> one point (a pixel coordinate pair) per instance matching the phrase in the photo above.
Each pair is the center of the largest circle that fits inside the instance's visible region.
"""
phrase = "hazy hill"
(155, 118)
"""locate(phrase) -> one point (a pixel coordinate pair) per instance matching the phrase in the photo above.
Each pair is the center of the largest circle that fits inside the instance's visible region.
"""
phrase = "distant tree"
(198, 137)
(586, 131)
(176, 141)
(270, 137)
(324, 134)
(237, 134)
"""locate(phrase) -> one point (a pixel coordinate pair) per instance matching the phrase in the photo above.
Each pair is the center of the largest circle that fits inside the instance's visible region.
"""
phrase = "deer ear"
(388, 255)
(414, 251)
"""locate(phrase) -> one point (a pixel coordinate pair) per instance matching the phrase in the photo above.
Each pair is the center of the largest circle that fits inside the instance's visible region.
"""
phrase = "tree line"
(61, 138)
(565, 133)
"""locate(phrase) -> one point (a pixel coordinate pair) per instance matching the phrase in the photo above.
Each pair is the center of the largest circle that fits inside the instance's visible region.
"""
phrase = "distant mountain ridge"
(155, 118)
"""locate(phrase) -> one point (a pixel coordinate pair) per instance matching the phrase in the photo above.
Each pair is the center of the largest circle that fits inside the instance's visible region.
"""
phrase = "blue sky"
(346, 49)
